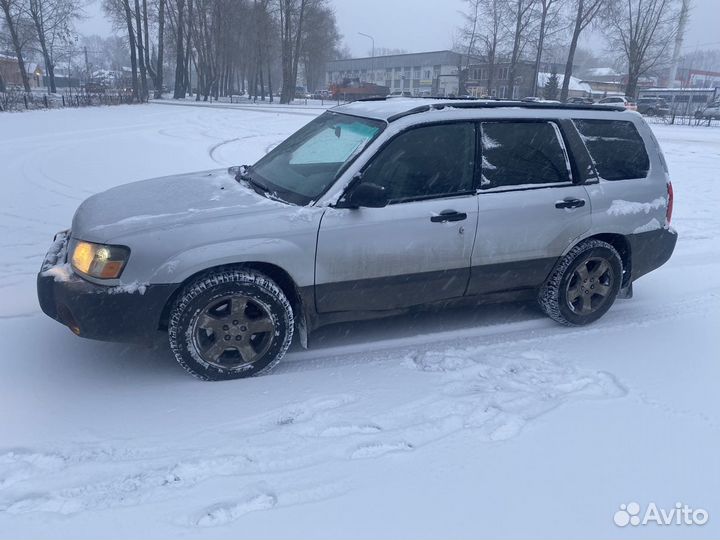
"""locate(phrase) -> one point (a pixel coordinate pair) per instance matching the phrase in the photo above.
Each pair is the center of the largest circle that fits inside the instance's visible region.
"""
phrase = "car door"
(415, 250)
(529, 209)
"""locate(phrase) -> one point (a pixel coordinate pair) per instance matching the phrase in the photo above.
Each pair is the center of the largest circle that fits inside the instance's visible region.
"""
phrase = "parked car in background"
(535, 99)
(371, 209)
(302, 93)
(581, 101)
(619, 100)
(712, 111)
(653, 106)
(322, 94)
(95, 88)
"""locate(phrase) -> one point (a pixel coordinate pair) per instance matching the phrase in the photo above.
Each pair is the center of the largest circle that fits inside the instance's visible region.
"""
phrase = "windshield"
(306, 164)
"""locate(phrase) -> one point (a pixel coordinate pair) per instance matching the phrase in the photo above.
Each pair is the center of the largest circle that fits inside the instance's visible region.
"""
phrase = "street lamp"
(372, 58)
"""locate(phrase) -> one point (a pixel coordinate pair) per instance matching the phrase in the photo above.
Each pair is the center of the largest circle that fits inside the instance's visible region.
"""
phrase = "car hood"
(168, 202)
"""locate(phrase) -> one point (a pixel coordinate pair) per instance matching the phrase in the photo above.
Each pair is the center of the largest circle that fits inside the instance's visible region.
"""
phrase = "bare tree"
(140, 45)
(292, 18)
(469, 33)
(13, 19)
(644, 30)
(109, 52)
(320, 42)
(161, 50)
(177, 20)
(258, 44)
(53, 21)
(548, 14)
(493, 37)
(132, 42)
(521, 12)
(483, 33)
(228, 44)
(585, 12)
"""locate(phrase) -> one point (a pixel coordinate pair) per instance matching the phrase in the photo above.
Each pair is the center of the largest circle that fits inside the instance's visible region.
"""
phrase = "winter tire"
(229, 325)
(583, 285)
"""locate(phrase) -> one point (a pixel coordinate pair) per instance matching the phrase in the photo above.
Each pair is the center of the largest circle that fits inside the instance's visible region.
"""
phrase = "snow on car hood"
(167, 202)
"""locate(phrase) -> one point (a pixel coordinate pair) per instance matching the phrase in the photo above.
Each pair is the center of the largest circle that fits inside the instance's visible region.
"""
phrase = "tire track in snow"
(479, 387)
(623, 314)
(494, 397)
(267, 110)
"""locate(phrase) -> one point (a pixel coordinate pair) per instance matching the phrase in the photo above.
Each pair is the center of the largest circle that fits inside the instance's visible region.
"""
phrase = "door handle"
(570, 202)
(449, 215)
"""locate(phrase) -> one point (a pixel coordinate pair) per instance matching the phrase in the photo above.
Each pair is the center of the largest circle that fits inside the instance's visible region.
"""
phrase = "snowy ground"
(491, 422)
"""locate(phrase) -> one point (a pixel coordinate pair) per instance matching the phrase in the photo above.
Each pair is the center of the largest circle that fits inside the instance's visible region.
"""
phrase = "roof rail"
(482, 104)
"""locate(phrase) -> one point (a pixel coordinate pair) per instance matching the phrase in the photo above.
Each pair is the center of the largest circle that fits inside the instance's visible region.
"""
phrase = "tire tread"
(210, 281)
(549, 295)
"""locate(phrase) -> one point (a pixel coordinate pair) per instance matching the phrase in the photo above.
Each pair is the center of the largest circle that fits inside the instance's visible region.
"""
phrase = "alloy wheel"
(233, 331)
(590, 286)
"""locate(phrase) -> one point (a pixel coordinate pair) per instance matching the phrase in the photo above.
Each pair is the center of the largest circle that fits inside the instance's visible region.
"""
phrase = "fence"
(21, 101)
(683, 120)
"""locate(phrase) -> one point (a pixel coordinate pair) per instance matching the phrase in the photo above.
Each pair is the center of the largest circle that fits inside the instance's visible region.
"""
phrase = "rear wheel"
(584, 284)
(229, 325)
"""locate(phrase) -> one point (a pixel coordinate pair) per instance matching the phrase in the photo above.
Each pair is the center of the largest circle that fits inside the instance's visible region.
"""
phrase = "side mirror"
(365, 195)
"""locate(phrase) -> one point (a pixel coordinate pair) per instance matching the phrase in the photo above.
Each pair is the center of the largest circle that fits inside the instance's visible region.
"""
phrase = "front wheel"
(229, 325)
(584, 284)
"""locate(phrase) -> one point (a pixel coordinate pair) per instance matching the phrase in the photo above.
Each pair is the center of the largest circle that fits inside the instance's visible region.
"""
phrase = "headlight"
(99, 261)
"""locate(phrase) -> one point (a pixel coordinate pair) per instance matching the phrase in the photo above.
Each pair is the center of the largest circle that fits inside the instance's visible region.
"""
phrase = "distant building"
(444, 73)
(11, 72)
(604, 82)
(697, 78)
(421, 74)
(576, 87)
(602, 74)
(478, 82)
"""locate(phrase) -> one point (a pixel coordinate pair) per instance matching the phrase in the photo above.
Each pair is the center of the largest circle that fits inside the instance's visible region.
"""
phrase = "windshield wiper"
(245, 176)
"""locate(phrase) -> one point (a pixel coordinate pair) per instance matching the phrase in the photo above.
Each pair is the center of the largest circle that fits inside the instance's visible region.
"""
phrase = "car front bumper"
(97, 311)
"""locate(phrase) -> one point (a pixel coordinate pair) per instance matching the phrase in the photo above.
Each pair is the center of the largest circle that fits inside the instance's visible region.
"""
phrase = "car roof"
(390, 110)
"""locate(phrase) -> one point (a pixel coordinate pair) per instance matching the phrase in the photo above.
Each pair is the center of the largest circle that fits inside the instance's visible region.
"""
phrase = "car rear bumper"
(97, 311)
(650, 250)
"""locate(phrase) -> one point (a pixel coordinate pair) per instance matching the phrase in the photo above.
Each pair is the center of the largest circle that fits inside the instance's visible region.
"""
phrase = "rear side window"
(522, 153)
(616, 148)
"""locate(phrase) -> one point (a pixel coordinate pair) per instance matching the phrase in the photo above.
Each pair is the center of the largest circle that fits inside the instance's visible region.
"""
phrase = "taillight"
(668, 214)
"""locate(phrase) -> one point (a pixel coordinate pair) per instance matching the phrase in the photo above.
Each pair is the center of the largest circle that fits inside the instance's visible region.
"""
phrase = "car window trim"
(527, 187)
(578, 154)
(424, 198)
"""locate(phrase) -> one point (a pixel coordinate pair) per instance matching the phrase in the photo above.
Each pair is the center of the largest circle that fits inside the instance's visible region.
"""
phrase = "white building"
(421, 74)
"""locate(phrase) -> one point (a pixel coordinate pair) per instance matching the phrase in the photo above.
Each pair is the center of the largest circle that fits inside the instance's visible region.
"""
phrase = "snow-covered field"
(490, 422)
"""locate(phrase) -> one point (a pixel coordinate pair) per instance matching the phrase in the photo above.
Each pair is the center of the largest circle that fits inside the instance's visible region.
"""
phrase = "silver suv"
(371, 209)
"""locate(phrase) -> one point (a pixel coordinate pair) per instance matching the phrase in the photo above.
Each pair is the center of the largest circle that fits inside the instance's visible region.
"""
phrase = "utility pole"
(372, 58)
(679, 37)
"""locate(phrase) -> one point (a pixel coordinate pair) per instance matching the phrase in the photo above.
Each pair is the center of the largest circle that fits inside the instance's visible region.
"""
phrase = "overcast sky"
(427, 25)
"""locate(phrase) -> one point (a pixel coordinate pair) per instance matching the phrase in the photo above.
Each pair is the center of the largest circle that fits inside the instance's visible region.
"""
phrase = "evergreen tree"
(552, 86)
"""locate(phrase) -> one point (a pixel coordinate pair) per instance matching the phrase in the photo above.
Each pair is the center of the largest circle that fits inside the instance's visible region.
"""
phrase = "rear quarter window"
(616, 148)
